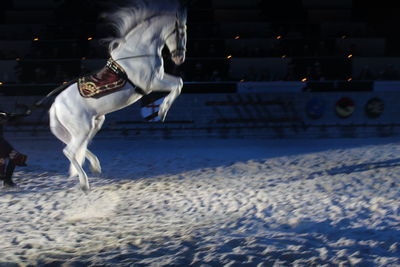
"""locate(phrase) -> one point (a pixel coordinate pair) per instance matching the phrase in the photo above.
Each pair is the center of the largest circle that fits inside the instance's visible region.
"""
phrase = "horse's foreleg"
(171, 84)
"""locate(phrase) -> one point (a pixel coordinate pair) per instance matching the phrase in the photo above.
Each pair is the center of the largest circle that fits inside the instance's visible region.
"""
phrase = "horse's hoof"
(85, 189)
(95, 171)
(162, 115)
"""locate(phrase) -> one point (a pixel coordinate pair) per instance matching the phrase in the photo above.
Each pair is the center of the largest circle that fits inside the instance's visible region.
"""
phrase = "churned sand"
(207, 202)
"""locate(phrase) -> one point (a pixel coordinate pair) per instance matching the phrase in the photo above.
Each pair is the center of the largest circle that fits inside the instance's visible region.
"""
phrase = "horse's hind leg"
(94, 161)
(71, 151)
(83, 152)
(75, 149)
(95, 167)
(62, 133)
(57, 128)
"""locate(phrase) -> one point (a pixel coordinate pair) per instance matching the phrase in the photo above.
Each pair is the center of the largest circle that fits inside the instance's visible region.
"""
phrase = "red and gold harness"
(109, 79)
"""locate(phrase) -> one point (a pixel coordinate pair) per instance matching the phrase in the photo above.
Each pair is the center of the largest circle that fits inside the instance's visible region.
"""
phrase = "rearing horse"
(143, 30)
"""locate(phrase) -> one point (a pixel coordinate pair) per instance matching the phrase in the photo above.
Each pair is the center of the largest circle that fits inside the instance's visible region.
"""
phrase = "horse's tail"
(57, 127)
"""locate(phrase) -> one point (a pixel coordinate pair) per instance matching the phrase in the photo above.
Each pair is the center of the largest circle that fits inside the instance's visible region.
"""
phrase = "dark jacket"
(3, 120)
(5, 147)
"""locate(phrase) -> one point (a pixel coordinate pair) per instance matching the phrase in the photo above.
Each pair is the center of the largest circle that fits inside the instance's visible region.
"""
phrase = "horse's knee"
(67, 153)
(178, 90)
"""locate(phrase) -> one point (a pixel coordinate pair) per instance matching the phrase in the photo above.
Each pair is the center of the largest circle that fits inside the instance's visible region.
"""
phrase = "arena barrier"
(236, 110)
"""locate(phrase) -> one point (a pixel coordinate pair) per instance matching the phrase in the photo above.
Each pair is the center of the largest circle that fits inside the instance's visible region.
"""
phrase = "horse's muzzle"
(178, 57)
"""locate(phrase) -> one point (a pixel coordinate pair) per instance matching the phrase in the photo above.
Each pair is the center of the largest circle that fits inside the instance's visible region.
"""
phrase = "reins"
(138, 56)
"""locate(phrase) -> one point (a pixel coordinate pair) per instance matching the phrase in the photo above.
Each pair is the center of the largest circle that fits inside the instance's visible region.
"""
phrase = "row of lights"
(349, 56)
(19, 59)
(242, 80)
(237, 37)
(279, 37)
(35, 39)
(2, 83)
(305, 79)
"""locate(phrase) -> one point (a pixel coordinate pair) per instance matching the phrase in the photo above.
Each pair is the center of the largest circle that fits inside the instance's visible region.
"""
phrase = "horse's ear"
(182, 9)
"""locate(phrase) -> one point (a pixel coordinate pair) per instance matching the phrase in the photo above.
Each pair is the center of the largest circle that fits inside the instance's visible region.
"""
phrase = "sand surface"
(207, 202)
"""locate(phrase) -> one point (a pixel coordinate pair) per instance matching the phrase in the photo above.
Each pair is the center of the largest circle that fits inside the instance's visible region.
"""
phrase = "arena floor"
(210, 202)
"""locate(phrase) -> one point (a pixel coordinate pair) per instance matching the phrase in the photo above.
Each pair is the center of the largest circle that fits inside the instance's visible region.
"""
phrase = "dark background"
(284, 40)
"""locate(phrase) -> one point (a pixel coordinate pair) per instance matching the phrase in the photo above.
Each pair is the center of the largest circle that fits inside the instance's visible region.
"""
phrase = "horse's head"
(176, 40)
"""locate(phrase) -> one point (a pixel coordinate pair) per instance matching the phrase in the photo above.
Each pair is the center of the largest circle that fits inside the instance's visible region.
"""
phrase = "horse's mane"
(125, 18)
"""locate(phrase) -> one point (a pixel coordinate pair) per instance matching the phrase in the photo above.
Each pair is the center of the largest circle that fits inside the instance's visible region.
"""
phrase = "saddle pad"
(108, 80)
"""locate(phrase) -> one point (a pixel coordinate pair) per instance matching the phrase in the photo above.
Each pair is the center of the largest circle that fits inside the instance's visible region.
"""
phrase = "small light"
(304, 79)
(237, 37)
(279, 37)
(36, 39)
(90, 38)
(83, 58)
(350, 79)
(17, 59)
(350, 56)
(229, 57)
(65, 82)
(284, 56)
(344, 36)
(1, 83)
(242, 80)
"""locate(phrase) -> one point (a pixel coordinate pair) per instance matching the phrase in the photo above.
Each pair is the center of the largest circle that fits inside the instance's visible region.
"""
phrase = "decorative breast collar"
(108, 80)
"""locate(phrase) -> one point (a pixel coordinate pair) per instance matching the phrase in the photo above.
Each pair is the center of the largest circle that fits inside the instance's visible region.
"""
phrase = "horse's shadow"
(364, 167)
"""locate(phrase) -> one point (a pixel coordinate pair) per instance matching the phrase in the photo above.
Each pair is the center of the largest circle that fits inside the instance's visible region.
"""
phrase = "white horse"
(143, 30)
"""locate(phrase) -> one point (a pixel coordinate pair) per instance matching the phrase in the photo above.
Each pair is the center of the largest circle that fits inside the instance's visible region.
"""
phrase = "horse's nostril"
(179, 59)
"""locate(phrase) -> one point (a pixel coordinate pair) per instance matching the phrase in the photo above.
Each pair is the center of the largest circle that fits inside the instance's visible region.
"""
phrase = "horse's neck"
(146, 39)
(140, 55)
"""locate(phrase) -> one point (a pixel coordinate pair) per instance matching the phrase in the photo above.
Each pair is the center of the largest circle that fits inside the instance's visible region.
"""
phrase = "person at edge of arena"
(9, 157)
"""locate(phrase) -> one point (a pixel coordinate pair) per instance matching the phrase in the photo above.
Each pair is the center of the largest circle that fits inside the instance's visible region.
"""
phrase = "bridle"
(178, 31)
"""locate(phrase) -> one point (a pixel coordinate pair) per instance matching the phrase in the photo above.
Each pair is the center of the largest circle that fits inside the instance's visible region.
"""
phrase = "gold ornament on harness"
(108, 80)
(88, 88)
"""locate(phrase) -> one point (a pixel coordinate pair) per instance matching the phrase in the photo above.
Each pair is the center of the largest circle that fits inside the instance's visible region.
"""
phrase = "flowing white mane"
(125, 19)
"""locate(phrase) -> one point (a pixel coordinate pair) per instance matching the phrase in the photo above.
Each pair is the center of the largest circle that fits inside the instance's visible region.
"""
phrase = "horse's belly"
(116, 100)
